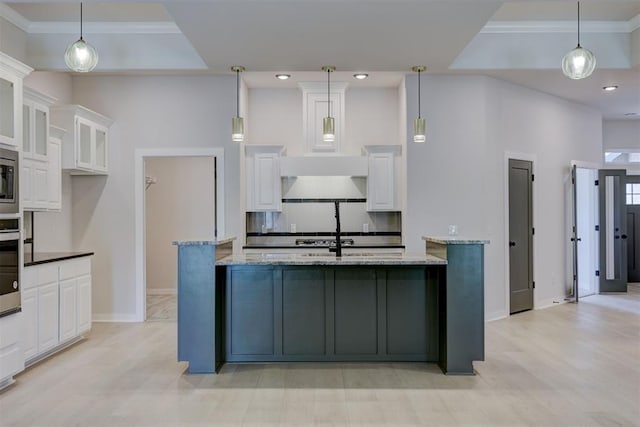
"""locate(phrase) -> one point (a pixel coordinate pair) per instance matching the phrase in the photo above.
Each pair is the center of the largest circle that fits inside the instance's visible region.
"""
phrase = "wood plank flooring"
(571, 365)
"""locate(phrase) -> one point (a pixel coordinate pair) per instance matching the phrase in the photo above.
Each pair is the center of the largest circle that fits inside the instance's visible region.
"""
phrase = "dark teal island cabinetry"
(332, 312)
(305, 307)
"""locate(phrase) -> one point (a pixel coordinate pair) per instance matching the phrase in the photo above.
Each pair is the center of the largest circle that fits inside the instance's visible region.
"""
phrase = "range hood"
(324, 166)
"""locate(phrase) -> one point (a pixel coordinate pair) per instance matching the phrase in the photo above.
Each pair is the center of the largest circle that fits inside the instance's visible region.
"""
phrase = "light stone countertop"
(453, 240)
(322, 259)
(202, 242)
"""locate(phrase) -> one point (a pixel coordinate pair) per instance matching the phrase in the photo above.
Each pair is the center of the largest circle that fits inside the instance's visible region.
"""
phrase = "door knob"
(624, 236)
(512, 243)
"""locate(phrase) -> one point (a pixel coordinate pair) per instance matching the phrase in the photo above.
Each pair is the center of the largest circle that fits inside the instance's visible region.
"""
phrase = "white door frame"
(140, 229)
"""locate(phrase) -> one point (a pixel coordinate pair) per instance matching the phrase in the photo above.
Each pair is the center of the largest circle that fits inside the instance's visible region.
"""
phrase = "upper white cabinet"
(35, 124)
(315, 108)
(12, 73)
(85, 146)
(382, 192)
(264, 189)
(54, 175)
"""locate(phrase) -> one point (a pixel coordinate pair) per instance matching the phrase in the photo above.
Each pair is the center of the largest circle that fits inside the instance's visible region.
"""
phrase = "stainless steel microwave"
(9, 173)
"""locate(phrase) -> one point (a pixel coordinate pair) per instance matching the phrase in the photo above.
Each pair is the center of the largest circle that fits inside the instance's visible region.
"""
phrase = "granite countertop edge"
(451, 240)
(288, 259)
(202, 242)
(47, 257)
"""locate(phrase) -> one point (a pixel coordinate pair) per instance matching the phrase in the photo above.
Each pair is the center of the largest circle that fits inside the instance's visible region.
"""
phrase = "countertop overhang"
(322, 259)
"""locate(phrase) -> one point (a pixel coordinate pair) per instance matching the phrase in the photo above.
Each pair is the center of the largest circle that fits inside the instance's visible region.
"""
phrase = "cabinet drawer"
(75, 268)
(38, 275)
(10, 330)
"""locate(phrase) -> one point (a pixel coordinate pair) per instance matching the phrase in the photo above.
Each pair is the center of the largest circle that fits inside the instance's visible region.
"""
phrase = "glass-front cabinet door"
(41, 131)
(84, 132)
(101, 149)
(7, 111)
(26, 129)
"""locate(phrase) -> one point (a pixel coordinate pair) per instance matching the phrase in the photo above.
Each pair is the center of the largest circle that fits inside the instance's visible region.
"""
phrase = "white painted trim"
(163, 291)
(14, 17)
(50, 27)
(550, 302)
(140, 232)
(534, 160)
(496, 315)
(547, 27)
(585, 165)
(114, 318)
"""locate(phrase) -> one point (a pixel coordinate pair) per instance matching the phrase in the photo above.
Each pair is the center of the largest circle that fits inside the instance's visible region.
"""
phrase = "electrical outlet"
(292, 228)
(365, 227)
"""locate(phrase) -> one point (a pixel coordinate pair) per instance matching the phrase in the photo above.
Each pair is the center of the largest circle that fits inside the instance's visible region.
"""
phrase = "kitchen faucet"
(338, 248)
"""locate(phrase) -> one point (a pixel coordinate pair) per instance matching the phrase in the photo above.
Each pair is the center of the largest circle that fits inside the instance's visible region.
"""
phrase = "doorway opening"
(179, 196)
(585, 238)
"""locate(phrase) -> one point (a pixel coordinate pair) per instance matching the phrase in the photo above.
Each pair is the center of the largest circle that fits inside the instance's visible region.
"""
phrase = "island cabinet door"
(304, 304)
(250, 312)
(356, 311)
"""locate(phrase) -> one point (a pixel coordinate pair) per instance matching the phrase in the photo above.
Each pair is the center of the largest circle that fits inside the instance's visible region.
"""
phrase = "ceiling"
(519, 41)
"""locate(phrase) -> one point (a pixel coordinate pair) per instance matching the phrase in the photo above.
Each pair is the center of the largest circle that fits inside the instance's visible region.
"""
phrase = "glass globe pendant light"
(237, 123)
(419, 124)
(80, 56)
(580, 62)
(328, 123)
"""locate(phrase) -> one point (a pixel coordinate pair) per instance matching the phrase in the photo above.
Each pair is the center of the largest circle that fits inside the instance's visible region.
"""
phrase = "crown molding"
(546, 27)
(14, 17)
(104, 28)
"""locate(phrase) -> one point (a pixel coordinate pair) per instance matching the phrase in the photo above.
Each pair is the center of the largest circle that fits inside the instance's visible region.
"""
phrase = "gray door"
(613, 230)
(633, 228)
(520, 235)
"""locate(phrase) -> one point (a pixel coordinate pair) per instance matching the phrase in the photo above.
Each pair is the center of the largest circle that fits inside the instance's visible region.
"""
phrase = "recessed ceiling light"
(610, 88)
(361, 76)
(282, 76)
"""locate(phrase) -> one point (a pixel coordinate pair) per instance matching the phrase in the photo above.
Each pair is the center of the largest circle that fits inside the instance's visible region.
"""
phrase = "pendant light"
(80, 56)
(419, 124)
(237, 123)
(580, 62)
(328, 123)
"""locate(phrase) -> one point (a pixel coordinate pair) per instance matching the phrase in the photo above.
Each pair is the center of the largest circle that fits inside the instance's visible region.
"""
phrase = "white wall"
(13, 41)
(458, 176)
(52, 83)
(621, 134)
(179, 206)
(149, 112)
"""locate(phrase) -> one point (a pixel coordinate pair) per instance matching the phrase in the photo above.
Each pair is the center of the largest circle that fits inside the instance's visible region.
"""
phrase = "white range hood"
(324, 166)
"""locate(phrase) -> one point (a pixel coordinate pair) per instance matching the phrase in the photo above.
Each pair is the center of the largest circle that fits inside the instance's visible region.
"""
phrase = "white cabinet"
(35, 124)
(11, 351)
(12, 73)
(85, 146)
(54, 175)
(382, 192)
(56, 304)
(68, 317)
(315, 108)
(34, 186)
(264, 186)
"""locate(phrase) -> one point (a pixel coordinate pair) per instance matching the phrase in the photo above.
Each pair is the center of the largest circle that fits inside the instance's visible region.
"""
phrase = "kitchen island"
(310, 307)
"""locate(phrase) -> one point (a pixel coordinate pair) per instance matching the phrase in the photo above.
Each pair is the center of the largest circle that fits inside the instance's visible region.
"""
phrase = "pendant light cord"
(328, 93)
(419, 91)
(80, 20)
(578, 24)
(237, 93)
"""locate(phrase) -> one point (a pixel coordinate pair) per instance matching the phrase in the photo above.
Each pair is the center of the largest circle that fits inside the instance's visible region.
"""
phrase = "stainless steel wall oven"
(9, 266)
(9, 173)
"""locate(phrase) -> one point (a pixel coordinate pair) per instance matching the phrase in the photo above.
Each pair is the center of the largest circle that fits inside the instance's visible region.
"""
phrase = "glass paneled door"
(613, 230)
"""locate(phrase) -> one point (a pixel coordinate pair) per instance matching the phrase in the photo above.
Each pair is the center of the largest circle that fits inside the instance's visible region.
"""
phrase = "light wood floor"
(571, 365)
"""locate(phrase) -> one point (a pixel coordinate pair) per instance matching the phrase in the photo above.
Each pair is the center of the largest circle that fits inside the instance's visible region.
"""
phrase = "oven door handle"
(9, 236)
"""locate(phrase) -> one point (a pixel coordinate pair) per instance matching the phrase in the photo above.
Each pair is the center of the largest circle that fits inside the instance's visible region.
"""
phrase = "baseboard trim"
(162, 291)
(549, 302)
(496, 315)
(114, 318)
